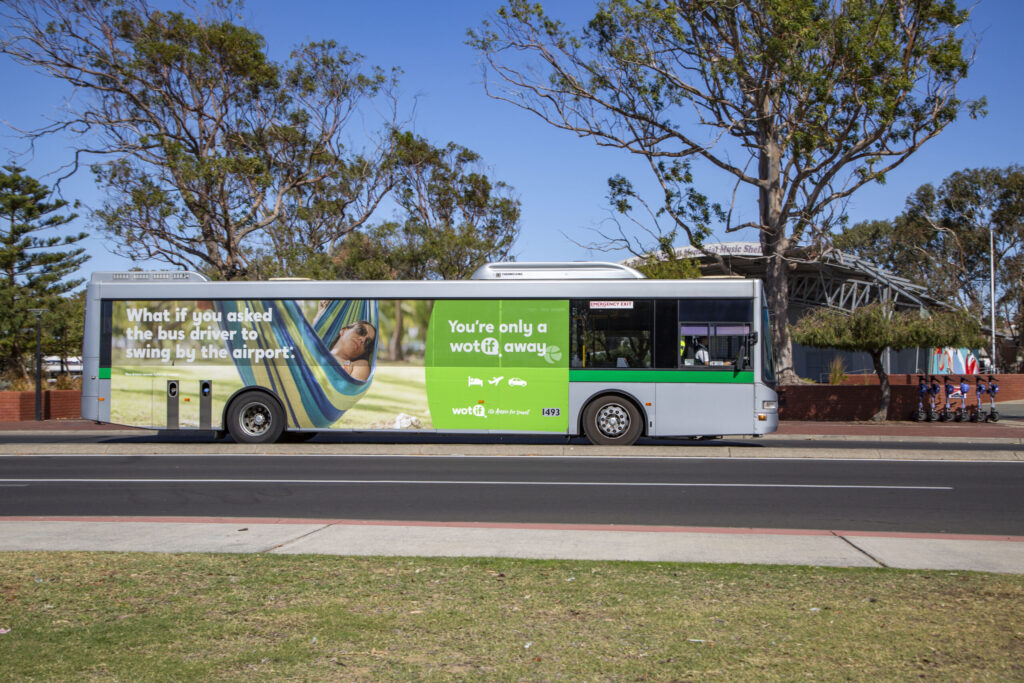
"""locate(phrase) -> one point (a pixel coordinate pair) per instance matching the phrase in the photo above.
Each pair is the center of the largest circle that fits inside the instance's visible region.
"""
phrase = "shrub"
(836, 371)
(67, 381)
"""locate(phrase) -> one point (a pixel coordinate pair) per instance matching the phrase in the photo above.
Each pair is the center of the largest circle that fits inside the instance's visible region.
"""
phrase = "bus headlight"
(769, 405)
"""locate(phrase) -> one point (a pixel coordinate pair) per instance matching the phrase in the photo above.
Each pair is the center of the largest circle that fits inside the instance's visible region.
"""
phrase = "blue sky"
(560, 179)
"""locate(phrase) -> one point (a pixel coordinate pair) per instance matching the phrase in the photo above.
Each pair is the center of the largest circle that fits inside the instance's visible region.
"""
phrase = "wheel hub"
(256, 419)
(613, 420)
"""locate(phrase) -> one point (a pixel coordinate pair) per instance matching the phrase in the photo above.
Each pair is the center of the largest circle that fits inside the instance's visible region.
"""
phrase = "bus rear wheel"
(612, 421)
(255, 417)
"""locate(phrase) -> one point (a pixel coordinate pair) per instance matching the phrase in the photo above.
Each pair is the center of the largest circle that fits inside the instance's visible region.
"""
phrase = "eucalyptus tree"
(208, 150)
(799, 102)
(948, 237)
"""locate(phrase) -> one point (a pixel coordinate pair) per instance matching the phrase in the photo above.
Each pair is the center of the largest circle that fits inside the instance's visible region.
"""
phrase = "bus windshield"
(767, 352)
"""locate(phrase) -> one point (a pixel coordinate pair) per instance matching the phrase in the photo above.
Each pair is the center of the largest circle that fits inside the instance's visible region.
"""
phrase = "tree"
(876, 327)
(34, 268)
(64, 322)
(941, 239)
(455, 217)
(800, 101)
(213, 151)
(665, 264)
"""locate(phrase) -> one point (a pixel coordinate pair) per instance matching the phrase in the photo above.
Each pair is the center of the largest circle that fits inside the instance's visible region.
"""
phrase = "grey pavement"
(344, 537)
(816, 548)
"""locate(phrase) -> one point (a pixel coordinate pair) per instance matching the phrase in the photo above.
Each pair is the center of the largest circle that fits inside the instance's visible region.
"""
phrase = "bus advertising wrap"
(360, 364)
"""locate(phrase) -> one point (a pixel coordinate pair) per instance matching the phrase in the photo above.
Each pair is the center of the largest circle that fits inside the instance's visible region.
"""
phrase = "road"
(794, 493)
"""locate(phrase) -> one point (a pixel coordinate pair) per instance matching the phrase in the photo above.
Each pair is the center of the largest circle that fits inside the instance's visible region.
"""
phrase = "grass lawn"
(104, 616)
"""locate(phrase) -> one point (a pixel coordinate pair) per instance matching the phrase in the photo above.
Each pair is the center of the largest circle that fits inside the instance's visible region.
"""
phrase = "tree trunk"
(883, 384)
(773, 245)
(395, 345)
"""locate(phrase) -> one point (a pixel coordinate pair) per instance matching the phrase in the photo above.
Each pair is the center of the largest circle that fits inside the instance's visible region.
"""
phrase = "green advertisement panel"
(342, 363)
(499, 365)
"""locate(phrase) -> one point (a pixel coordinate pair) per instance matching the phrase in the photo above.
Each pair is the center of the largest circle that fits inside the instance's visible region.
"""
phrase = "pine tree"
(34, 266)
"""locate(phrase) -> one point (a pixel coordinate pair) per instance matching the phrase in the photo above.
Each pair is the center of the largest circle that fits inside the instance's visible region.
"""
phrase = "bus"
(574, 349)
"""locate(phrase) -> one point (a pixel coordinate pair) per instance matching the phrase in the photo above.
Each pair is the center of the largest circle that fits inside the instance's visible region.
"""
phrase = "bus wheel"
(612, 421)
(255, 417)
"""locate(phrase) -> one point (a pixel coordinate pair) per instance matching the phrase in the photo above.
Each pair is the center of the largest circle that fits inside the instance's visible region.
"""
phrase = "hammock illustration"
(314, 387)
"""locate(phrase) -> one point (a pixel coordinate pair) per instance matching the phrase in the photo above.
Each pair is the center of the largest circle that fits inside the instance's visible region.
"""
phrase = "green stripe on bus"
(104, 373)
(677, 376)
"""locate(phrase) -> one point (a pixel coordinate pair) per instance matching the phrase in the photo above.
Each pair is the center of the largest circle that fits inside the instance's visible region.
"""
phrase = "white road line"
(573, 457)
(453, 482)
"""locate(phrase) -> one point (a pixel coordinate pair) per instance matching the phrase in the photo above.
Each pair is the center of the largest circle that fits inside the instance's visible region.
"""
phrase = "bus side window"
(715, 332)
(693, 345)
(731, 346)
(611, 334)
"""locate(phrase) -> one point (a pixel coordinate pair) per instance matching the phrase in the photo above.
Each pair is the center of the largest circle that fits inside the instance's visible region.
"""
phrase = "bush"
(67, 381)
(13, 382)
(836, 371)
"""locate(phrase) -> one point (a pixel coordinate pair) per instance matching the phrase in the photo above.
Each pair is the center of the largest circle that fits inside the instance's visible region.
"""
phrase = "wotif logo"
(475, 411)
(487, 346)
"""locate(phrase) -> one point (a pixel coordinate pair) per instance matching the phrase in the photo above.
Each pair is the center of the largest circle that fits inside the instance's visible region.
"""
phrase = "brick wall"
(858, 397)
(1011, 387)
(828, 402)
(63, 404)
(57, 404)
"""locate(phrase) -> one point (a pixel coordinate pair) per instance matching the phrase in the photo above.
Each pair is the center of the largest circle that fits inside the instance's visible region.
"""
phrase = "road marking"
(574, 457)
(453, 482)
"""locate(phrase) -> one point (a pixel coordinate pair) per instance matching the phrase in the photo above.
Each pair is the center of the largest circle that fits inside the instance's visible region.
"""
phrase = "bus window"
(715, 332)
(611, 334)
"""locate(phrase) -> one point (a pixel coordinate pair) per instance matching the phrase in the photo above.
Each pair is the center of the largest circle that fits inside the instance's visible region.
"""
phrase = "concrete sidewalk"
(1003, 554)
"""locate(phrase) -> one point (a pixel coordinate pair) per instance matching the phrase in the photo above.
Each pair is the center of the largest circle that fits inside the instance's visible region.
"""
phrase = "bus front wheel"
(612, 421)
(255, 417)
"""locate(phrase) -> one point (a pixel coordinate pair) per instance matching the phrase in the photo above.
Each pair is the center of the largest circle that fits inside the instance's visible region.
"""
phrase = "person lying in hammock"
(353, 345)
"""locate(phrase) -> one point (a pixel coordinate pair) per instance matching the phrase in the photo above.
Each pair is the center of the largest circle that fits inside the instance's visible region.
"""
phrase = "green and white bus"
(575, 348)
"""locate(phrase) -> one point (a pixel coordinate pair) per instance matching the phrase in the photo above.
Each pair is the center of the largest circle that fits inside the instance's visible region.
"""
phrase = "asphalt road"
(801, 493)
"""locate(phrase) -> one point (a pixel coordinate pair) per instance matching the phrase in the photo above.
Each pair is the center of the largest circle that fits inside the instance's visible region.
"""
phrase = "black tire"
(993, 416)
(612, 421)
(255, 417)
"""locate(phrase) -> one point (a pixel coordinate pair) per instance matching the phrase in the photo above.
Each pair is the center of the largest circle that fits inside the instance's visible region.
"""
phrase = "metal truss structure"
(836, 280)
